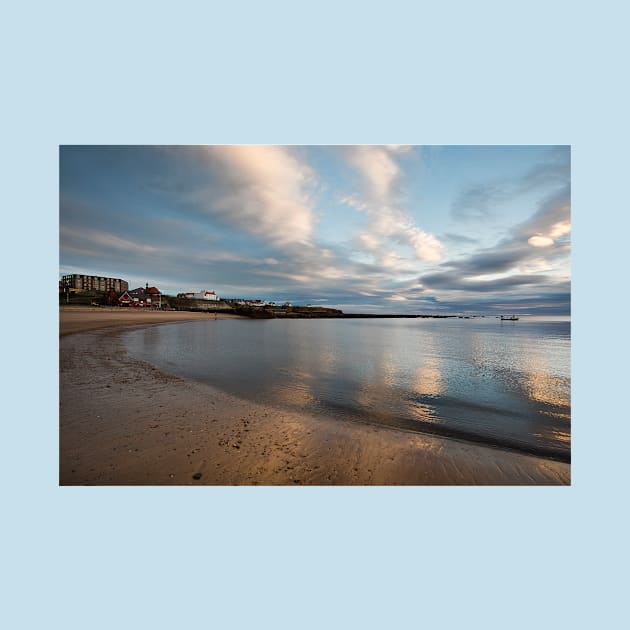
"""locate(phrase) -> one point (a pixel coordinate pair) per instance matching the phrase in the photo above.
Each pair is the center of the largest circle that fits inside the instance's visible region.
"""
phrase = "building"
(201, 295)
(93, 283)
(141, 297)
(247, 302)
(125, 299)
(153, 296)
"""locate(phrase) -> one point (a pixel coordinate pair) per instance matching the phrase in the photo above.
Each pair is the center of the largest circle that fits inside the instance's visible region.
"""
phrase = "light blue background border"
(301, 73)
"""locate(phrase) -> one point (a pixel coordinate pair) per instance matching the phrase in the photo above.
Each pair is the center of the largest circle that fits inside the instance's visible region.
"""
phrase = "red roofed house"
(125, 299)
(153, 297)
(149, 296)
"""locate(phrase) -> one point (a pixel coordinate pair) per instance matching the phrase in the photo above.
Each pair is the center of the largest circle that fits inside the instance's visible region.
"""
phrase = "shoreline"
(77, 319)
(124, 422)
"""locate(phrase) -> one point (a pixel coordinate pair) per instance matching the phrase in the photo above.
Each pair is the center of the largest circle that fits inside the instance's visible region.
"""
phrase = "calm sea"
(506, 384)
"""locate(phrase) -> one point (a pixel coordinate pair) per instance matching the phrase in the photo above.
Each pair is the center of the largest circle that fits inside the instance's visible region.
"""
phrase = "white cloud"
(264, 190)
(354, 202)
(552, 220)
(389, 222)
(540, 241)
(550, 228)
(377, 167)
(426, 246)
(560, 229)
(369, 241)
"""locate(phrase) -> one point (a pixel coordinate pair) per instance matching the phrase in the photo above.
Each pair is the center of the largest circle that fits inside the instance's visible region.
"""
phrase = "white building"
(201, 295)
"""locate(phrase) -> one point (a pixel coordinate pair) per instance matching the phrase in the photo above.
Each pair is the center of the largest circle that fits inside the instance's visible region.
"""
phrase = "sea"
(505, 384)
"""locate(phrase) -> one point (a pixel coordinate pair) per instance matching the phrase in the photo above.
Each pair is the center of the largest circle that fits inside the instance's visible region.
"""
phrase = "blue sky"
(418, 229)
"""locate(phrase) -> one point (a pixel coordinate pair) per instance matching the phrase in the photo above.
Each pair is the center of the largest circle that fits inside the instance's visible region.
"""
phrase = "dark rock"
(197, 476)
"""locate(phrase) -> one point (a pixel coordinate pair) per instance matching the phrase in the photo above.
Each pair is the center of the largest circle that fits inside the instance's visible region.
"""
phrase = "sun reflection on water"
(429, 381)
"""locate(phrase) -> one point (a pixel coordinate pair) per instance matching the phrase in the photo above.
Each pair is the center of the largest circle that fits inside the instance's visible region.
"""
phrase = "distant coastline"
(262, 312)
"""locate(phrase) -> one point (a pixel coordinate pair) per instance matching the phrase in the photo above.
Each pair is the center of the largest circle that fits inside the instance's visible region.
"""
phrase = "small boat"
(512, 318)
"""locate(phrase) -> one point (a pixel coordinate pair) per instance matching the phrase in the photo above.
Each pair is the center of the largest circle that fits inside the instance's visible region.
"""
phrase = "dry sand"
(123, 422)
(73, 319)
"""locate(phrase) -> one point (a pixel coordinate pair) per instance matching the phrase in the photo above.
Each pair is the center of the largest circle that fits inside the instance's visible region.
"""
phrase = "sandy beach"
(74, 319)
(123, 422)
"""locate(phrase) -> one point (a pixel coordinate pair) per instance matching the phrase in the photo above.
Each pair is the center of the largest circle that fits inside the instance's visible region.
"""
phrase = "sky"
(373, 229)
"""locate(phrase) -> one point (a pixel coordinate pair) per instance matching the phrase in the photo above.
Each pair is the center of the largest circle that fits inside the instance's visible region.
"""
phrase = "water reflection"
(473, 377)
(547, 388)
(327, 361)
(428, 378)
(428, 381)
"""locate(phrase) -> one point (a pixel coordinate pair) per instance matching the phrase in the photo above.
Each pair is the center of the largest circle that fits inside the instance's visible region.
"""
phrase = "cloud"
(369, 241)
(268, 192)
(87, 241)
(482, 201)
(539, 243)
(460, 238)
(453, 281)
(378, 168)
(354, 202)
(552, 217)
(262, 190)
(552, 222)
(389, 225)
(554, 171)
(479, 202)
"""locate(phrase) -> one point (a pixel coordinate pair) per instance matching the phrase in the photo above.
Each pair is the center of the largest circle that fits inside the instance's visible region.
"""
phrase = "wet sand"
(123, 422)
